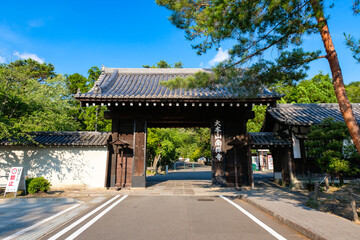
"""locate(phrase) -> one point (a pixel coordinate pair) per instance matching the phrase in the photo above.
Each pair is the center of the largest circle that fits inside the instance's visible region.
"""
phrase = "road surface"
(175, 217)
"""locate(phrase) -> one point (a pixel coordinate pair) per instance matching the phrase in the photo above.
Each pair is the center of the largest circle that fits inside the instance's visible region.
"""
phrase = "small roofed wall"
(64, 166)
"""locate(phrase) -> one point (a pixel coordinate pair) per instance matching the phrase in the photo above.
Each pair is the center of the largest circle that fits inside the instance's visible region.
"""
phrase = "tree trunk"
(327, 182)
(338, 83)
(341, 179)
(353, 205)
(155, 163)
(316, 194)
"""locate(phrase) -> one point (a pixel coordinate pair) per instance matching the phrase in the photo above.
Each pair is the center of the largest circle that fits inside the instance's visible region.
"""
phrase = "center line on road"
(263, 225)
(83, 228)
(82, 219)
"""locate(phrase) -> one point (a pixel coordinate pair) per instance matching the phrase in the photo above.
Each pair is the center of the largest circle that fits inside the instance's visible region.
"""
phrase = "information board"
(16, 179)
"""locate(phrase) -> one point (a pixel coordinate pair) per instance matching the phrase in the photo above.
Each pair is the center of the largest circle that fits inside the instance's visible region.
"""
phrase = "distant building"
(293, 122)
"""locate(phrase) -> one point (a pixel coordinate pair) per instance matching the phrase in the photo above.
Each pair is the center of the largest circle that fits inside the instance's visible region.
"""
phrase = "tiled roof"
(144, 84)
(308, 114)
(267, 139)
(63, 139)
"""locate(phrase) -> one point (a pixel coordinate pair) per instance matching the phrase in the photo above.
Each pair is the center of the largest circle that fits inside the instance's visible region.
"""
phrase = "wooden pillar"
(286, 163)
(233, 167)
(250, 168)
(110, 152)
(120, 160)
(113, 157)
(139, 167)
(275, 152)
(302, 166)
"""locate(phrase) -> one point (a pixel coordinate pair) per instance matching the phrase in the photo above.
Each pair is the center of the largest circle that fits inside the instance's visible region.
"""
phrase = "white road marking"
(83, 228)
(40, 223)
(82, 219)
(263, 225)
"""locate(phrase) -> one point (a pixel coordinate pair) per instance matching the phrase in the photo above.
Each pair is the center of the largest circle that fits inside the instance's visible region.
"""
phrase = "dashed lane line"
(261, 224)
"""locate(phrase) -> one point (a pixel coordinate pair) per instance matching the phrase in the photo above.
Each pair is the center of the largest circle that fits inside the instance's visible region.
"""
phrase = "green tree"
(161, 146)
(93, 75)
(326, 143)
(34, 69)
(178, 65)
(351, 42)
(258, 26)
(33, 99)
(167, 145)
(77, 82)
(255, 124)
(318, 89)
(90, 118)
(354, 46)
(164, 64)
(353, 92)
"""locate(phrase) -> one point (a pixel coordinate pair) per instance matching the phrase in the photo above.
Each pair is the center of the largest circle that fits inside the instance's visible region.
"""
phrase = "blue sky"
(76, 35)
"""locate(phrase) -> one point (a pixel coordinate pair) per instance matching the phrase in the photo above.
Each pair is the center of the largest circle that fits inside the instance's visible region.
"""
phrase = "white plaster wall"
(296, 147)
(63, 166)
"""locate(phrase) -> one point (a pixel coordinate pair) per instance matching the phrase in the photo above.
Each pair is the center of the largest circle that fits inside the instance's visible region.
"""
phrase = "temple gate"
(137, 100)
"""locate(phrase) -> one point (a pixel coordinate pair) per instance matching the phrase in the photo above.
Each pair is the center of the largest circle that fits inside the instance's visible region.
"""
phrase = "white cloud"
(36, 23)
(28, 55)
(8, 35)
(220, 56)
(201, 65)
(2, 59)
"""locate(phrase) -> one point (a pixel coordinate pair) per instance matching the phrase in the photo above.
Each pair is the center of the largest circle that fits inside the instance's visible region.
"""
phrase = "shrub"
(38, 184)
(27, 182)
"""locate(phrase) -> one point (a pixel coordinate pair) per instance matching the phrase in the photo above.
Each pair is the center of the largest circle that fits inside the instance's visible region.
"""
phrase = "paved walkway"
(287, 206)
(183, 182)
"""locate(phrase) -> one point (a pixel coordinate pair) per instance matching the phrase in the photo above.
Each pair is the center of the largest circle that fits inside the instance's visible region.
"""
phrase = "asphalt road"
(173, 217)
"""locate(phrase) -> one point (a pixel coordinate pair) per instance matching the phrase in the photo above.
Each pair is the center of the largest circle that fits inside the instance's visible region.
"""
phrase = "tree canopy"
(164, 64)
(90, 118)
(257, 27)
(353, 92)
(351, 41)
(33, 98)
(318, 89)
(315, 90)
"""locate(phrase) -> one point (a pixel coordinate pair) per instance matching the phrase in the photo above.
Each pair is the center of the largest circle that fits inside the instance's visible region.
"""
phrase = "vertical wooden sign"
(217, 146)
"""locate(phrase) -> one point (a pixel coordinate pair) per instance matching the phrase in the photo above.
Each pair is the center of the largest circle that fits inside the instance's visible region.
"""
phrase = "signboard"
(16, 178)
(218, 140)
(270, 162)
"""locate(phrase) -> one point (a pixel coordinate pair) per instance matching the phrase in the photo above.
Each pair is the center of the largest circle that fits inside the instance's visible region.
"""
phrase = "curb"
(37, 200)
(306, 232)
